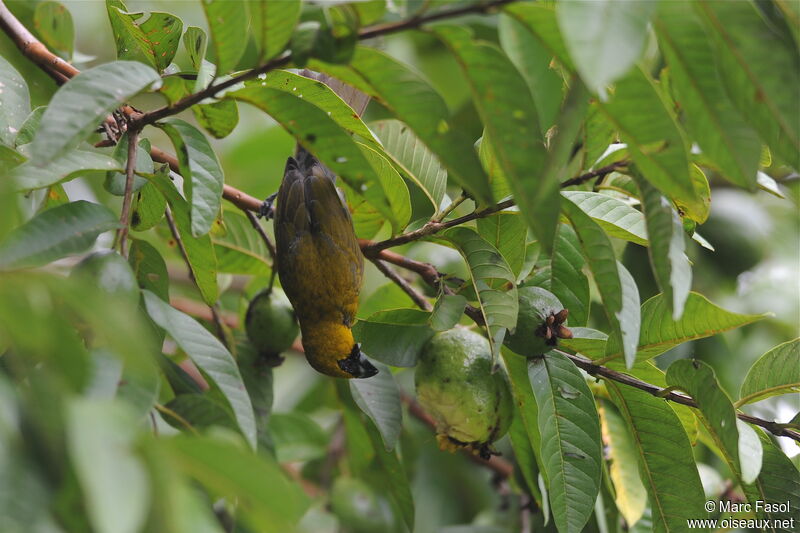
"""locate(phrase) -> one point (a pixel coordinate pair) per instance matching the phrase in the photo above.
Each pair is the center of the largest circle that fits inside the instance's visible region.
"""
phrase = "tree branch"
(32, 48)
(418, 298)
(435, 226)
(604, 372)
(130, 170)
(281, 61)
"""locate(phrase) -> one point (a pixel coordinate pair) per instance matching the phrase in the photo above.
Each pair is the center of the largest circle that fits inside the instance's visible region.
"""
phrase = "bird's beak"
(357, 364)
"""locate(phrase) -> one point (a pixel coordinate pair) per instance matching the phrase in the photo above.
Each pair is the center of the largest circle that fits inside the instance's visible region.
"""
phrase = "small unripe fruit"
(540, 323)
(470, 404)
(270, 322)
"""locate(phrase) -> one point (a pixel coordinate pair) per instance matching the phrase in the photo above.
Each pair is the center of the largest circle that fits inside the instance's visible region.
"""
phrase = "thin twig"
(594, 369)
(450, 208)
(435, 226)
(283, 60)
(415, 295)
(263, 234)
(31, 47)
(130, 170)
(416, 22)
(203, 312)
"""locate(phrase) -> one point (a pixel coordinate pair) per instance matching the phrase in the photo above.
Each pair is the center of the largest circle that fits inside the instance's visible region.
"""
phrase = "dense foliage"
(610, 187)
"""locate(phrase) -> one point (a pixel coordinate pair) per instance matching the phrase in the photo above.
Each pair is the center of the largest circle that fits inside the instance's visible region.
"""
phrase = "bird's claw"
(267, 209)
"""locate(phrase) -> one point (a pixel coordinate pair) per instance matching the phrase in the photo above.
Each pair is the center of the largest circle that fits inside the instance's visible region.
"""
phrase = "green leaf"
(266, 499)
(218, 118)
(699, 380)
(115, 181)
(598, 134)
(602, 262)
(201, 171)
(28, 129)
(563, 276)
(524, 398)
(571, 445)
(604, 38)
(297, 437)
(524, 456)
(149, 268)
(507, 232)
(132, 44)
(660, 332)
(69, 166)
(227, 23)
(779, 482)
(758, 67)
(199, 250)
(586, 341)
(488, 271)
(64, 230)
(666, 463)
(447, 312)
(163, 33)
(322, 96)
(322, 135)
(152, 41)
(667, 248)
(195, 41)
(210, 356)
(642, 116)
(413, 101)
(202, 411)
(53, 23)
(711, 118)
(84, 101)
(273, 24)
(775, 372)
(512, 127)
(540, 20)
(629, 493)
(613, 215)
(101, 436)
(630, 318)
(15, 103)
(379, 398)
(147, 208)
(394, 190)
(417, 164)
(395, 478)
(239, 248)
(533, 62)
(497, 179)
(394, 337)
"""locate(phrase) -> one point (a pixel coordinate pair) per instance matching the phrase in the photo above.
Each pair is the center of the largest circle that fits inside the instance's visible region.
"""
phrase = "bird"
(320, 265)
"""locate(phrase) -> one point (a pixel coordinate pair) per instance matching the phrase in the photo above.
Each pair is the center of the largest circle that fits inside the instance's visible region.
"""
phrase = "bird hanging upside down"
(319, 261)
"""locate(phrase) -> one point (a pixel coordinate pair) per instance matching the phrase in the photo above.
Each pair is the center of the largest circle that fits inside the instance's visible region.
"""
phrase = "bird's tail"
(356, 99)
(351, 96)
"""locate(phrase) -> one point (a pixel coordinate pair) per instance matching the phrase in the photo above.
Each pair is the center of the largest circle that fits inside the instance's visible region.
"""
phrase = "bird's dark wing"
(319, 260)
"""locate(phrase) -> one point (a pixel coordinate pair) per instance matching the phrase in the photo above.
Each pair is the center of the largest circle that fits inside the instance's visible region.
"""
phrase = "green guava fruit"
(470, 404)
(359, 508)
(270, 322)
(540, 323)
(110, 272)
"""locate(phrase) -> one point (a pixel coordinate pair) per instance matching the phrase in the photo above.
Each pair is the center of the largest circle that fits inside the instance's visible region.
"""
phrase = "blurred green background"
(755, 269)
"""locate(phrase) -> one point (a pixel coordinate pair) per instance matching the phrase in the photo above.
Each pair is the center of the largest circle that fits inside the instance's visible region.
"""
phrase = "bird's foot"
(267, 209)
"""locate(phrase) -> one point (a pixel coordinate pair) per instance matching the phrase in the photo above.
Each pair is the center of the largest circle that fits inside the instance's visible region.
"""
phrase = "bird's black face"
(357, 365)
